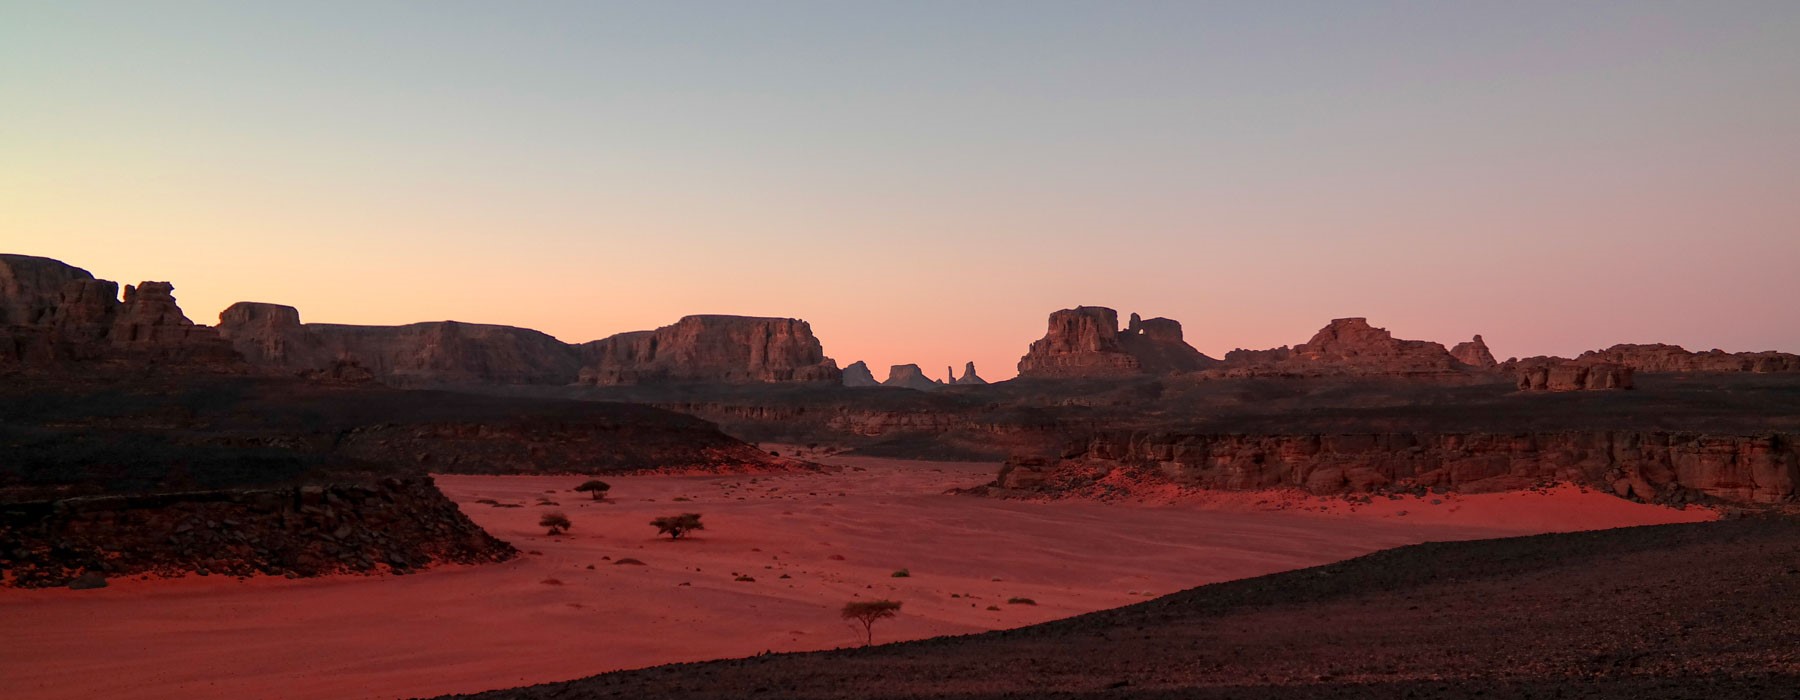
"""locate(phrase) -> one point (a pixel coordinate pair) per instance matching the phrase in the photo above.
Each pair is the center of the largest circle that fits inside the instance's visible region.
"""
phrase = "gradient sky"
(925, 181)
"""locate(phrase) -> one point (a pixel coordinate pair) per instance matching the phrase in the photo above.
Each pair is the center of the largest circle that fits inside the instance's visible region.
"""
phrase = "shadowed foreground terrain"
(1691, 611)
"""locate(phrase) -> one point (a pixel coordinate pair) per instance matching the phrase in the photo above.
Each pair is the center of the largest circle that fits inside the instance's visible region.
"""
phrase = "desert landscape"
(899, 350)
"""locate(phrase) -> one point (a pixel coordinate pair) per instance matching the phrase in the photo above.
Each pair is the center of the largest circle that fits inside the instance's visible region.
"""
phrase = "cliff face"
(1674, 358)
(969, 377)
(389, 525)
(1352, 347)
(1085, 342)
(57, 316)
(271, 335)
(711, 349)
(1653, 466)
(910, 377)
(1558, 374)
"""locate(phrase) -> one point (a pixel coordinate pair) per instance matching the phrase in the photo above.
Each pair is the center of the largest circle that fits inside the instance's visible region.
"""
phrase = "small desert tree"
(867, 612)
(596, 487)
(556, 522)
(677, 525)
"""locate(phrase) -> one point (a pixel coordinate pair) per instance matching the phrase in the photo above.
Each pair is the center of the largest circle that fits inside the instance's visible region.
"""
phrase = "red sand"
(460, 629)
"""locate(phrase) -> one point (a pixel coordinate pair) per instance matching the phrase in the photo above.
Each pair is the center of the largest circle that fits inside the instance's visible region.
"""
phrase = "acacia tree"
(556, 522)
(867, 612)
(677, 525)
(596, 487)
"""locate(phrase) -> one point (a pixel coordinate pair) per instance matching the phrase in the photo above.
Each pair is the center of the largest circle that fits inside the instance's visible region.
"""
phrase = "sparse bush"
(868, 612)
(903, 573)
(677, 525)
(745, 579)
(628, 561)
(596, 487)
(556, 522)
(1020, 601)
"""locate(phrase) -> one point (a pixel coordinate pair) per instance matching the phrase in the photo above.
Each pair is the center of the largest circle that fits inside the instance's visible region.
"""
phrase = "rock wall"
(1352, 347)
(1652, 466)
(442, 352)
(1558, 374)
(1674, 358)
(711, 349)
(394, 525)
(57, 317)
(969, 377)
(1086, 342)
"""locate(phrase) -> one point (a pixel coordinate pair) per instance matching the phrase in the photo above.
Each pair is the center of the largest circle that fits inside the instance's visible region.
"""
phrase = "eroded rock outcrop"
(1559, 374)
(82, 320)
(389, 525)
(32, 287)
(1474, 353)
(1674, 358)
(1086, 342)
(969, 377)
(858, 374)
(910, 377)
(711, 349)
(1349, 347)
(1661, 467)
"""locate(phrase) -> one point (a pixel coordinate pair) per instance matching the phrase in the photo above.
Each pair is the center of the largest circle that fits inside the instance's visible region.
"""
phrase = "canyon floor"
(570, 608)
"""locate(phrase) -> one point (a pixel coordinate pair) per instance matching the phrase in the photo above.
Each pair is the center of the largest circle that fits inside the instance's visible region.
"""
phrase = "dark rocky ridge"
(1672, 468)
(396, 525)
(1675, 611)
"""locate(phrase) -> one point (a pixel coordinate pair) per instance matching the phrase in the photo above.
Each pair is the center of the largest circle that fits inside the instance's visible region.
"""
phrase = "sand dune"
(836, 537)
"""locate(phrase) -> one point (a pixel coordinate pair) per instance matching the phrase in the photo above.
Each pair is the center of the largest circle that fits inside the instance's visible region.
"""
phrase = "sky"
(925, 181)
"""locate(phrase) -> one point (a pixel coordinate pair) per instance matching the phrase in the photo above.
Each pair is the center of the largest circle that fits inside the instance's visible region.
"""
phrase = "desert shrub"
(867, 612)
(555, 522)
(1020, 601)
(903, 573)
(596, 487)
(677, 525)
(745, 579)
(628, 561)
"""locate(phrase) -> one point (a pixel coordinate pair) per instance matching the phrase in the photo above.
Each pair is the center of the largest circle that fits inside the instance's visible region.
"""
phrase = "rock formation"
(1474, 353)
(1660, 467)
(969, 377)
(82, 321)
(1674, 358)
(1085, 342)
(711, 349)
(1559, 374)
(32, 287)
(910, 377)
(441, 352)
(858, 374)
(390, 525)
(1350, 347)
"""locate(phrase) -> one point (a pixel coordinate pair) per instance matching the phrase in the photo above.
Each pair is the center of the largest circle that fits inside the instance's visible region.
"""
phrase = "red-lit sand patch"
(836, 536)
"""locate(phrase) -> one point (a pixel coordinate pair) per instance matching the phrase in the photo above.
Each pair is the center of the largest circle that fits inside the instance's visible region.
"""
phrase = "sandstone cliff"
(1559, 374)
(1474, 353)
(858, 374)
(82, 321)
(711, 349)
(442, 352)
(969, 377)
(910, 377)
(1352, 347)
(1086, 342)
(1674, 358)
(1652, 466)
